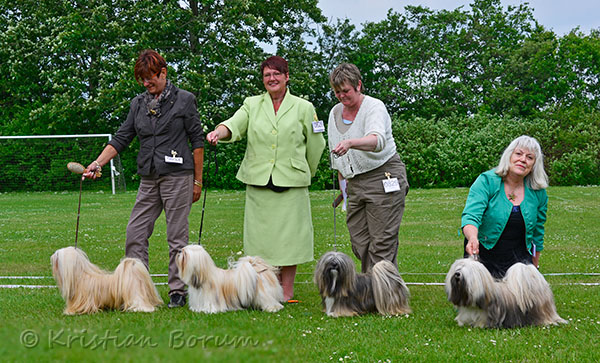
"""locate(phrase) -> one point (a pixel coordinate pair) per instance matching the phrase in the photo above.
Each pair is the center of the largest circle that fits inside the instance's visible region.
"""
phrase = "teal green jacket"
(282, 145)
(488, 209)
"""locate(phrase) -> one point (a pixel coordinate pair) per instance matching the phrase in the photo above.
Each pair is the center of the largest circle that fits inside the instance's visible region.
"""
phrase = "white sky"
(558, 15)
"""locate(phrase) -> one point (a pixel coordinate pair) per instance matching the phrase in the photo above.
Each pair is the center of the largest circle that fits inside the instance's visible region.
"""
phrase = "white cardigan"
(372, 118)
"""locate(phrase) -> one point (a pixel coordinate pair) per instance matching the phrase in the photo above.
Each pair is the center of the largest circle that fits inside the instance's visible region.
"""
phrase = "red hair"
(148, 64)
(275, 62)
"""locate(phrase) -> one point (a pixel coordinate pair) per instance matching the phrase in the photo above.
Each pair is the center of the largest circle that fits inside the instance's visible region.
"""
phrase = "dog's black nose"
(457, 275)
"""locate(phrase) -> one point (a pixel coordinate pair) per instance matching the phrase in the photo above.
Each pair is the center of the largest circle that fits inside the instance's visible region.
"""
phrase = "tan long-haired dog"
(86, 288)
(249, 282)
(521, 298)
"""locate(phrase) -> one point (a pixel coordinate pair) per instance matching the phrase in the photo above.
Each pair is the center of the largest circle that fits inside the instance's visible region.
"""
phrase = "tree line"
(67, 68)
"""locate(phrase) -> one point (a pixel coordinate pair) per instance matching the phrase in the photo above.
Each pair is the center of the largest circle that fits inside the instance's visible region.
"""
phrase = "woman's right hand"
(213, 137)
(221, 132)
(93, 171)
(472, 247)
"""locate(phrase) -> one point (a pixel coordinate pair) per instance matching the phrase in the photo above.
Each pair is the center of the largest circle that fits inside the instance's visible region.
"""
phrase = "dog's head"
(335, 274)
(195, 265)
(469, 283)
(69, 265)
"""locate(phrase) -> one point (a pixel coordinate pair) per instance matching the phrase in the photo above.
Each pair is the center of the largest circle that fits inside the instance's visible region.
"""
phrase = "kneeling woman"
(504, 216)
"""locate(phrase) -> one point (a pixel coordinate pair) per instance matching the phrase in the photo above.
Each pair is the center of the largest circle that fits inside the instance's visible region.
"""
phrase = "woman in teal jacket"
(284, 146)
(504, 216)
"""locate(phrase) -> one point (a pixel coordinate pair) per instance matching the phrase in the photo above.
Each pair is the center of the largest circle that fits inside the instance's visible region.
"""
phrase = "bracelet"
(198, 183)
(97, 164)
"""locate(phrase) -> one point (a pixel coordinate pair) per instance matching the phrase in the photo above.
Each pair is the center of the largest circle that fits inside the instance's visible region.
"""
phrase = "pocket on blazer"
(301, 165)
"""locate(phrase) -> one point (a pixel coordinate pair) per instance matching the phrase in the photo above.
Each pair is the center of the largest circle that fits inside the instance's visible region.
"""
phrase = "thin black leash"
(205, 180)
(78, 211)
(77, 168)
(333, 178)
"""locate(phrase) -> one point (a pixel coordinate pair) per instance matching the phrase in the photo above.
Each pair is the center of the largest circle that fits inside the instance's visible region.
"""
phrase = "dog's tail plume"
(132, 288)
(389, 289)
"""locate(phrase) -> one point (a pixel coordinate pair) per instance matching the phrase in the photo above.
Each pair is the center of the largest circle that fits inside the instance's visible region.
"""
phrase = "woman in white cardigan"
(360, 138)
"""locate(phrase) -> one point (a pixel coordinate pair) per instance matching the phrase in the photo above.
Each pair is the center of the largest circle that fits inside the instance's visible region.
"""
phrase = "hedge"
(448, 152)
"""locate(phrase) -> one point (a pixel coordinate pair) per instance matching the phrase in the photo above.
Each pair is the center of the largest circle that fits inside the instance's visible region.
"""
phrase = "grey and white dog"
(521, 298)
(344, 292)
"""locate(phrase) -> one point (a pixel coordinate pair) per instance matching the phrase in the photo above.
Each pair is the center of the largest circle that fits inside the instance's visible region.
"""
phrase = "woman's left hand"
(197, 193)
(342, 148)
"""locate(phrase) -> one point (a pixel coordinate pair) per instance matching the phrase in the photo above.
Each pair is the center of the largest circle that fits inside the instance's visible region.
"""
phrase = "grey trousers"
(374, 216)
(174, 195)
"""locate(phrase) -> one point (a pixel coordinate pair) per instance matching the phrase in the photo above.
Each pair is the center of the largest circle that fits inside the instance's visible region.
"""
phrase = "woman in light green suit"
(284, 146)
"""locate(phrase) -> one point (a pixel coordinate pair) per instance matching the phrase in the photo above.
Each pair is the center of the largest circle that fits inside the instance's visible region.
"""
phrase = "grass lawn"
(33, 328)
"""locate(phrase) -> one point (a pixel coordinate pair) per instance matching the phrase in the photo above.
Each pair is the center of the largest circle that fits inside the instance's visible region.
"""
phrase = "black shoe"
(177, 300)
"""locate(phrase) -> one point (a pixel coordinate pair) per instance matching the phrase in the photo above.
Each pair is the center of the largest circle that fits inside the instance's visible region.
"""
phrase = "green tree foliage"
(457, 82)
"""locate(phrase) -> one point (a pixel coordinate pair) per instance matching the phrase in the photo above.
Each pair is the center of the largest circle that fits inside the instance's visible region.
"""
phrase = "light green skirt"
(278, 226)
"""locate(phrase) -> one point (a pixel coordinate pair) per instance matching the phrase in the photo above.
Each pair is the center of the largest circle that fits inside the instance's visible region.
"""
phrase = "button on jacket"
(282, 145)
(178, 123)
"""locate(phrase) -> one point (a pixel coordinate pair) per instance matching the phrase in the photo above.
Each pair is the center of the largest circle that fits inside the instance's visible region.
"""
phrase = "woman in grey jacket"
(165, 119)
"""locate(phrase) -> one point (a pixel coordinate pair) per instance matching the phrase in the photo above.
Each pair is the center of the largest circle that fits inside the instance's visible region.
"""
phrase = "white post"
(112, 170)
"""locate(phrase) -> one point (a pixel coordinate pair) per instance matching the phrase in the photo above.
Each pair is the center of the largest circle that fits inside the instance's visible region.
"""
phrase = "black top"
(510, 248)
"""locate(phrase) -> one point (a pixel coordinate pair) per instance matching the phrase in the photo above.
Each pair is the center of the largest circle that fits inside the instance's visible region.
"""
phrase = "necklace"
(512, 194)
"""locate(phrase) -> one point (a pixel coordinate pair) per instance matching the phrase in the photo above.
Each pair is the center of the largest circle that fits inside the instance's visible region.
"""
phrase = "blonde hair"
(537, 178)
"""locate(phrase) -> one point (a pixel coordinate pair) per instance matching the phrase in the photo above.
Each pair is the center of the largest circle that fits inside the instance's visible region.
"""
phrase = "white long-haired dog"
(86, 288)
(248, 283)
(344, 292)
(521, 298)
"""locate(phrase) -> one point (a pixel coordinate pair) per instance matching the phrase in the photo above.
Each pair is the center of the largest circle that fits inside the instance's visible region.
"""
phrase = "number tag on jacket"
(318, 126)
(173, 159)
(390, 184)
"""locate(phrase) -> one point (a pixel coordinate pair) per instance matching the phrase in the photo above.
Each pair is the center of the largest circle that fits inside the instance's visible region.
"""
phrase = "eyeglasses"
(151, 78)
(272, 74)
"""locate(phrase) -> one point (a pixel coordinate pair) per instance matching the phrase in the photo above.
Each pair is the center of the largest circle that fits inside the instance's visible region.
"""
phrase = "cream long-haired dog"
(248, 283)
(344, 292)
(86, 288)
(521, 298)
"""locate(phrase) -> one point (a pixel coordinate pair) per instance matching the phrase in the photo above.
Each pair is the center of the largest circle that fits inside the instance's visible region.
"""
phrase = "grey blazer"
(177, 125)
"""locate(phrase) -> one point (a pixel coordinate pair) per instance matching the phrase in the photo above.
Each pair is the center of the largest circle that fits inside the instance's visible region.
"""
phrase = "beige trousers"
(374, 216)
(174, 195)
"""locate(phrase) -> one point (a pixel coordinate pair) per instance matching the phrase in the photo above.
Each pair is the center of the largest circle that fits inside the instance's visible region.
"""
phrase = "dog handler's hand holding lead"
(93, 171)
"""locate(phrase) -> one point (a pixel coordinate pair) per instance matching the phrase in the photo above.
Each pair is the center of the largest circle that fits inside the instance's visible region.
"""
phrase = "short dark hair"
(149, 63)
(275, 62)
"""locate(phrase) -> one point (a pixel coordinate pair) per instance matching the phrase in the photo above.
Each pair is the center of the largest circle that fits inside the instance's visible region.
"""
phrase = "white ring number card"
(318, 126)
(390, 184)
(173, 159)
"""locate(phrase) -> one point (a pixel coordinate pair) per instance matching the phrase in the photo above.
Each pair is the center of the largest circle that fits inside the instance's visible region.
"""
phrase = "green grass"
(34, 225)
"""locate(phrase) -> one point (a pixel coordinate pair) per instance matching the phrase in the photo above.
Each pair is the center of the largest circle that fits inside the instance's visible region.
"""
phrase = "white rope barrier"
(310, 273)
(304, 282)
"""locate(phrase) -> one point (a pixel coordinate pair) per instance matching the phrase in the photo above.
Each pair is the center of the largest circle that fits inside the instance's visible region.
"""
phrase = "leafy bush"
(453, 151)
(448, 152)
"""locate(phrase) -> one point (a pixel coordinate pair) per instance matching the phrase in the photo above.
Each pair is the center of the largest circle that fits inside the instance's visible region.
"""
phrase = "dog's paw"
(272, 308)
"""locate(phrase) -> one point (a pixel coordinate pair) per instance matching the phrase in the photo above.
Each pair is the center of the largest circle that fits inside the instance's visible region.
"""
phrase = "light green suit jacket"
(282, 145)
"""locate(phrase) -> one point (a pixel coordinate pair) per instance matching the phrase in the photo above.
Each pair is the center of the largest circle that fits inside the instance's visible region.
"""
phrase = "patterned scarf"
(153, 104)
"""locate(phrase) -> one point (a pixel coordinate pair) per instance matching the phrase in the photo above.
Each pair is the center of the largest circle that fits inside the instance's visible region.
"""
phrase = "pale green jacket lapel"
(283, 146)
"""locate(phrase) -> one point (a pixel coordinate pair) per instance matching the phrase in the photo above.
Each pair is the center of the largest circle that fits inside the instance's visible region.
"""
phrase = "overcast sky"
(559, 15)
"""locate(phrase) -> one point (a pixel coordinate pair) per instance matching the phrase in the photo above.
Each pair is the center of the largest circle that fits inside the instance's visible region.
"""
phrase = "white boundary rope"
(14, 286)
(310, 273)
(305, 282)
